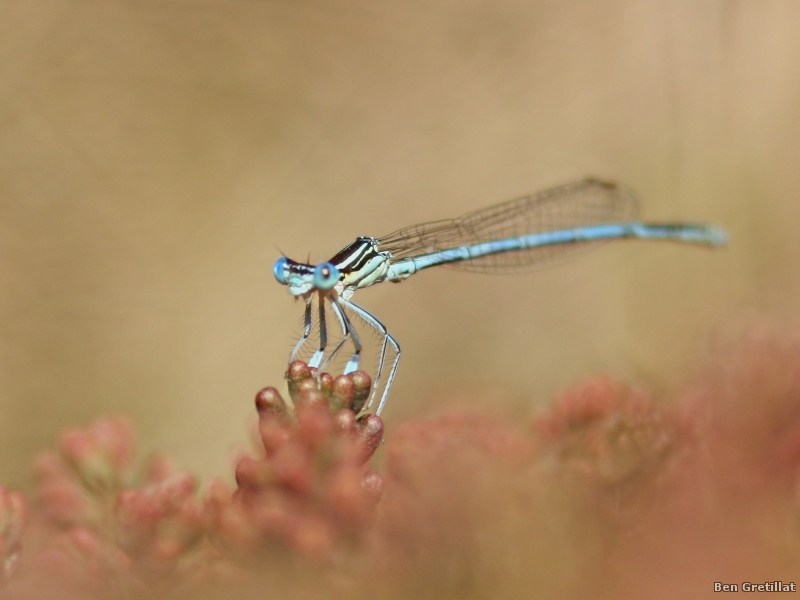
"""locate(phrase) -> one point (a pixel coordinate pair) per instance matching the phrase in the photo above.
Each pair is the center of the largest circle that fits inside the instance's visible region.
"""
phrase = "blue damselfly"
(509, 237)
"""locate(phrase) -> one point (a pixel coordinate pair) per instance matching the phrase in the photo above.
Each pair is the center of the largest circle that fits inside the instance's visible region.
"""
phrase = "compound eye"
(279, 270)
(325, 276)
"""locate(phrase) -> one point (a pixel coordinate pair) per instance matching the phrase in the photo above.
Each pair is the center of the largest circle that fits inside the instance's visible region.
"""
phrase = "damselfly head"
(302, 278)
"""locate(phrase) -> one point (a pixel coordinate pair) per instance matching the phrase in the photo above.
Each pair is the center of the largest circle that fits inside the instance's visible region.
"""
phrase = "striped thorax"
(356, 266)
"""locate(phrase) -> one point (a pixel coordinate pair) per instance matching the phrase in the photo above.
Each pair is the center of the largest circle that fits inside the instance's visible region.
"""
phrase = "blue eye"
(325, 276)
(279, 270)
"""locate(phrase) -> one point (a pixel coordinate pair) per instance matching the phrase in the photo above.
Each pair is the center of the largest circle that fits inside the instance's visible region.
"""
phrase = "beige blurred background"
(154, 155)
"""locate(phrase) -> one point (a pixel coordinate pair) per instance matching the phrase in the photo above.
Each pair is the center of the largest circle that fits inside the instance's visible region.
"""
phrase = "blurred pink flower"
(120, 530)
(725, 507)
(609, 495)
(13, 519)
(605, 430)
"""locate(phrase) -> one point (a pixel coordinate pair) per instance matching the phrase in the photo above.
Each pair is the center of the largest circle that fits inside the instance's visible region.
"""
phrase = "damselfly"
(508, 237)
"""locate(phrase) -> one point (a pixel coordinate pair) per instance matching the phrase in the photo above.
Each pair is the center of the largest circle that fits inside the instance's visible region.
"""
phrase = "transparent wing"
(579, 204)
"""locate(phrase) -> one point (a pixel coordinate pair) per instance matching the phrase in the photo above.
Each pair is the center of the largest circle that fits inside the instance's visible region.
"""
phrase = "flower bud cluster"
(312, 489)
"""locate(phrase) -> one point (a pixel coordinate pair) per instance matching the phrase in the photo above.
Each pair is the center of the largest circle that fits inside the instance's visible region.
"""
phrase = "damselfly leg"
(306, 332)
(353, 364)
(323, 335)
(345, 336)
(320, 359)
(386, 340)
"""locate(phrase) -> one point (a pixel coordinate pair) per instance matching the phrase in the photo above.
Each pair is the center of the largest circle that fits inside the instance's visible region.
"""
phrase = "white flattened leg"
(306, 332)
(316, 359)
(388, 340)
(337, 310)
(353, 363)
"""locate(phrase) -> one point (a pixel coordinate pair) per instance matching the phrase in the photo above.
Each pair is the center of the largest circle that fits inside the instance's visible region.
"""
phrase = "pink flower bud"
(345, 421)
(343, 392)
(372, 485)
(174, 492)
(269, 401)
(325, 383)
(362, 385)
(370, 433)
